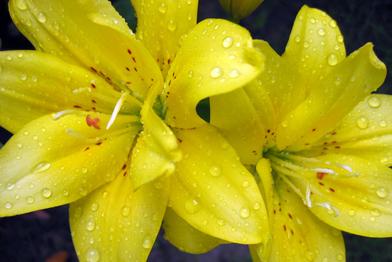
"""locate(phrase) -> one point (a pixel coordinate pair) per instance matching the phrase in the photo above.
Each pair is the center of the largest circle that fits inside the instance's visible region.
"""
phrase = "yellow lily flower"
(319, 142)
(239, 9)
(89, 111)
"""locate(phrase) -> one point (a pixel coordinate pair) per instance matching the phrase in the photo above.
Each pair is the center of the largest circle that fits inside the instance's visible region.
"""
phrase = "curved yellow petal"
(185, 237)
(216, 57)
(33, 84)
(83, 33)
(156, 150)
(239, 9)
(348, 83)
(161, 24)
(54, 161)
(214, 192)
(296, 234)
(314, 47)
(348, 192)
(365, 132)
(116, 224)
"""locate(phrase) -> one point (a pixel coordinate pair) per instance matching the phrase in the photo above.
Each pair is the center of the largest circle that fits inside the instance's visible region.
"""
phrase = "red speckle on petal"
(94, 122)
(321, 175)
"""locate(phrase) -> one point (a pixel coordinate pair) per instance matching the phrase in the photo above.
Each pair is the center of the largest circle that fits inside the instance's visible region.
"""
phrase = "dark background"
(45, 236)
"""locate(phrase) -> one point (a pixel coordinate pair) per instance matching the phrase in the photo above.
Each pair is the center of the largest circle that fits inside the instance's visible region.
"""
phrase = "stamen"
(116, 109)
(60, 114)
(308, 201)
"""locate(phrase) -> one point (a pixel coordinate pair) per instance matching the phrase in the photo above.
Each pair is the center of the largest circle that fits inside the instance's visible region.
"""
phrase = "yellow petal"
(239, 9)
(214, 192)
(296, 234)
(52, 162)
(116, 224)
(156, 150)
(185, 237)
(33, 84)
(83, 33)
(314, 47)
(365, 132)
(161, 24)
(347, 192)
(337, 94)
(216, 57)
(236, 117)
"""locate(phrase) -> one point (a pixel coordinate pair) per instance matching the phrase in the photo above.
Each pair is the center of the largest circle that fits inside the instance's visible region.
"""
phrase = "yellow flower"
(239, 9)
(321, 144)
(88, 109)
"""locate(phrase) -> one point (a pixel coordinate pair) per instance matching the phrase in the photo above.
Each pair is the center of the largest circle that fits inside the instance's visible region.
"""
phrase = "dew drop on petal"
(125, 211)
(234, 73)
(41, 18)
(8, 205)
(215, 171)
(227, 42)
(362, 123)
(46, 193)
(92, 255)
(41, 167)
(21, 4)
(374, 102)
(382, 192)
(192, 206)
(321, 32)
(216, 72)
(332, 59)
(162, 8)
(90, 225)
(147, 243)
(244, 213)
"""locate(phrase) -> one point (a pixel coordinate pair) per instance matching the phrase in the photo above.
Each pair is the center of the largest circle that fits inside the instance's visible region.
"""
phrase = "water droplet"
(234, 73)
(92, 255)
(382, 192)
(171, 26)
(8, 205)
(46, 193)
(190, 74)
(215, 171)
(125, 211)
(383, 123)
(256, 206)
(162, 8)
(227, 42)
(306, 44)
(340, 39)
(374, 102)
(332, 59)
(84, 170)
(245, 184)
(362, 123)
(41, 167)
(30, 200)
(297, 39)
(23, 77)
(21, 4)
(41, 18)
(244, 212)
(10, 186)
(94, 207)
(90, 225)
(147, 243)
(375, 213)
(192, 206)
(321, 32)
(332, 23)
(351, 212)
(216, 72)
(221, 222)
